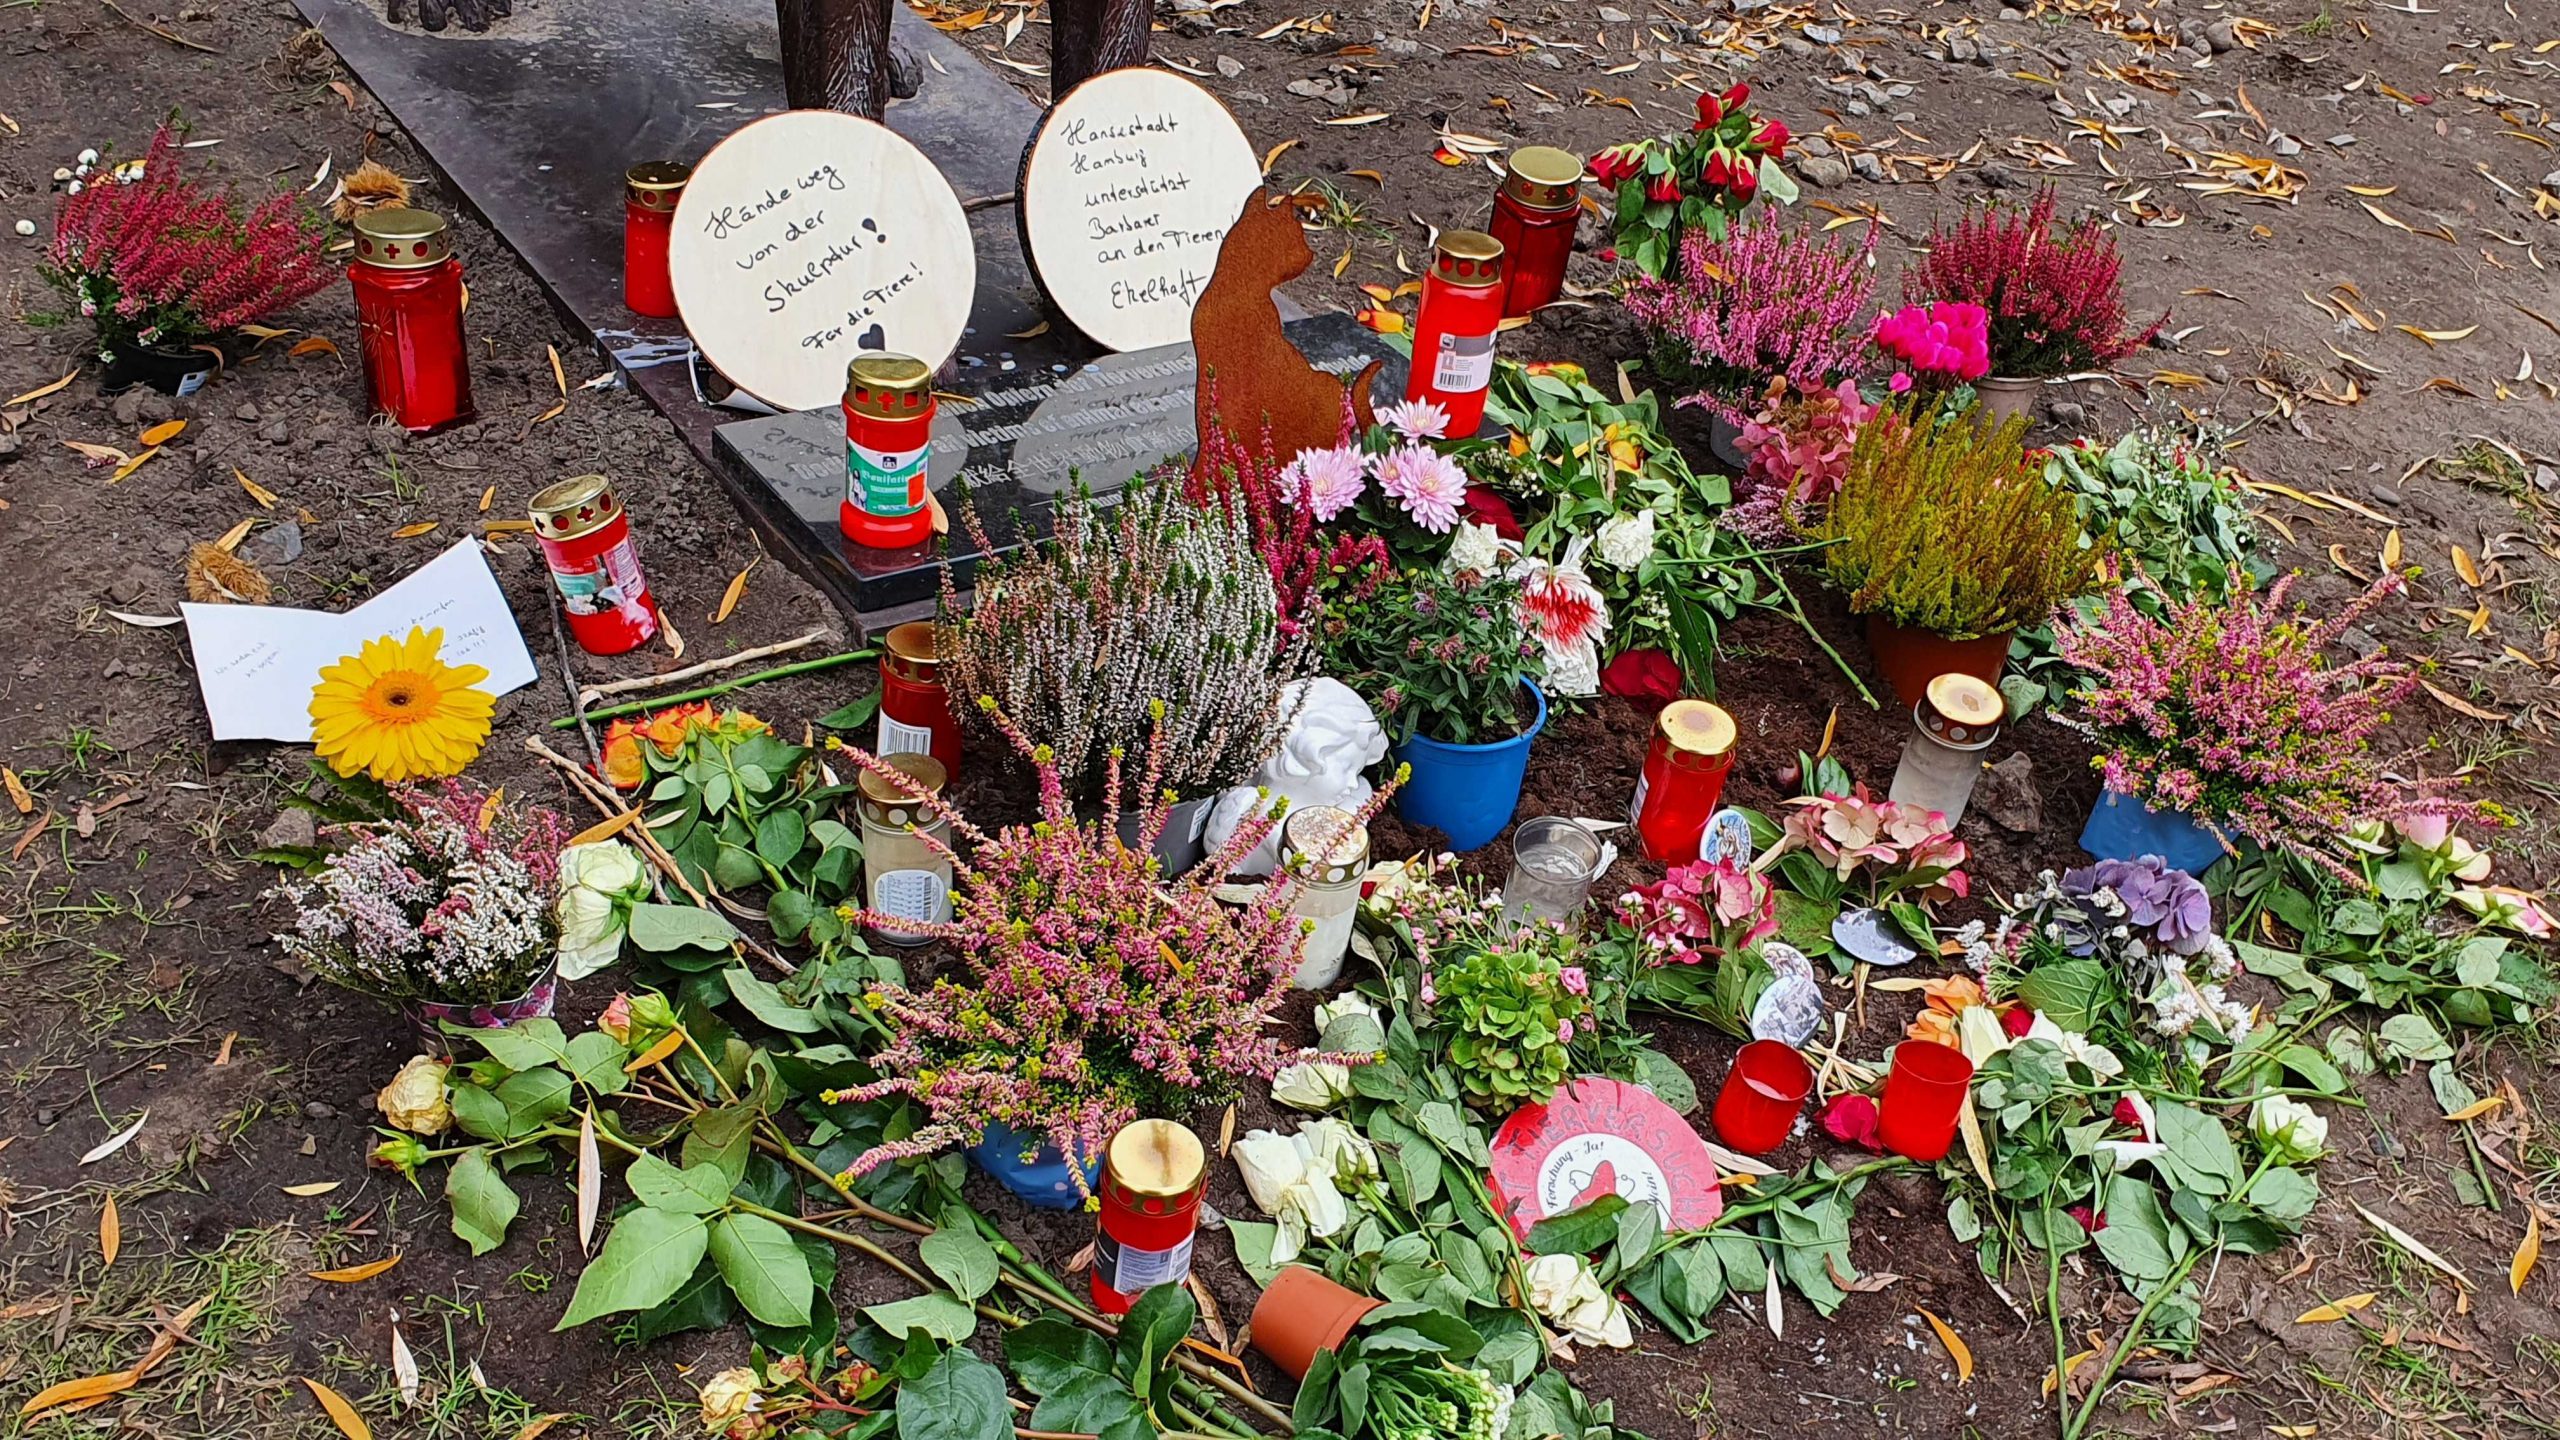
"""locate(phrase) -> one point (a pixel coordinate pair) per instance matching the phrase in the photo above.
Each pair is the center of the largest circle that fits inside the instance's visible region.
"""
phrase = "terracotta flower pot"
(1302, 1314)
(1911, 658)
(2003, 396)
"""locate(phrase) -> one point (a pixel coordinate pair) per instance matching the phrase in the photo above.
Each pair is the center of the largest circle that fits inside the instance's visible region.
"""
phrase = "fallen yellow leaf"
(412, 532)
(312, 1188)
(667, 1045)
(2466, 567)
(315, 345)
(110, 1234)
(341, 1414)
(1956, 1348)
(41, 391)
(232, 537)
(2461, 706)
(164, 432)
(2521, 1268)
(559, 377)
(354, 1274)
(737, 590)
(132, 465)
(88, 1387)
(1371, 118)
(534, 1428)
(2391, 551)
(265, 497)
(1275, 153)
(18, 795)
(604, 830)
(2475, 1109)
(2335, 1310)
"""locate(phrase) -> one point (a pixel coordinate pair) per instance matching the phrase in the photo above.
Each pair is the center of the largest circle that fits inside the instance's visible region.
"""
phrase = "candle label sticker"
(808, 237)
(886, 483)
(917, 895)
(1465, 363)
(1131, 1271)
(1601, 1137)
(1128, 191)
(899, 738)
(609, 582)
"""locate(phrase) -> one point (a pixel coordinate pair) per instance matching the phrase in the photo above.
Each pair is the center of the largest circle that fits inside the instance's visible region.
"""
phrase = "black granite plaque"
(1021, 436)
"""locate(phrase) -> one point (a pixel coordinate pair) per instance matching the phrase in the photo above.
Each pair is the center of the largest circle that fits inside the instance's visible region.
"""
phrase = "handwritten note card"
(808, 237)
(257, 664)
(1133, 181)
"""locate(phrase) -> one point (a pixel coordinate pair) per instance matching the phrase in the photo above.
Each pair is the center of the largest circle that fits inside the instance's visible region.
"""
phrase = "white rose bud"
(1312, 1085)
(2290, 1131)
(414, 1100)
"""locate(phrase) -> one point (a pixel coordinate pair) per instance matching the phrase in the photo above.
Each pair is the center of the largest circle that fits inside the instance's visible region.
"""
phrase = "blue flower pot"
(2123, 828)
(1467, 792)
(1046, 1181)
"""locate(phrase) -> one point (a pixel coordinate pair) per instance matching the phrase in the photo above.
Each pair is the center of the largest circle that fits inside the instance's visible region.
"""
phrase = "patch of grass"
(2489, 467)
(454, 1397)
(1337, 210)
(2318, 25)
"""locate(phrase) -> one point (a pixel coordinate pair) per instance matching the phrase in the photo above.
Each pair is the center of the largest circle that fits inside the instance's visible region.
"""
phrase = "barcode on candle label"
(1465, 364)
(898, 738)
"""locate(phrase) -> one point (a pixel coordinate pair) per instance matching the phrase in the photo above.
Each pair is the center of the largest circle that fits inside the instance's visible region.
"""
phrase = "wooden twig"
(172, 36)
(593, 693)
(799, 667)
(569, 682)
(603, 797)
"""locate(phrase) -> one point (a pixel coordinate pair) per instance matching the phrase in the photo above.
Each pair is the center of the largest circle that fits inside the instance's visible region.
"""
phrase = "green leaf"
(2413, 1037)
(2072, 993)
(721, 1137)
(595, 1060)
(1578, 1232)
(2201, 1154)
(2138, 1239)
(644, 1260)
(2287, 1194)
(1253, 1240)
(2314, 1067)
(779, 836)
(675, 927)
(765, 1002)
(1663, 1076)
(524, 1045)
(482, 1204)
(703, 1302)
(694, 1190)
(764, 1265)
(946, 1319)
(960, 1398)
(1154, 1328)
(534, 1098)
(1092, 1404)
(1049, 1354)
(966, 1262)
(477, 1111)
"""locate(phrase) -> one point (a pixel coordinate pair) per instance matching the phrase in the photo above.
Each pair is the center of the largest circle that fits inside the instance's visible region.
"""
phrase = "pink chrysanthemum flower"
(1429, 485)
(1329, 480)
(1416, 419)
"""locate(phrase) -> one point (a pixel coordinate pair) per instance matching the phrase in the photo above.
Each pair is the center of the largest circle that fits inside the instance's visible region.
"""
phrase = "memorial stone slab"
(1014, 438)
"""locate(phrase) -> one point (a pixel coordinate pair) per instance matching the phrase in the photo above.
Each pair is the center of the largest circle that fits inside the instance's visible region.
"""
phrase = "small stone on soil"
(2007, 793)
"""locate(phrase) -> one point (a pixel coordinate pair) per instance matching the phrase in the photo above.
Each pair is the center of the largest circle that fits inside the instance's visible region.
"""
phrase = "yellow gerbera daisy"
(397, 712)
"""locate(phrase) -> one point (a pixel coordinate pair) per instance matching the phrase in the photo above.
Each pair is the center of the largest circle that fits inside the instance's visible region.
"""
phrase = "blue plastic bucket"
(1467, 792)
(1045, 1181)
(2123, 828)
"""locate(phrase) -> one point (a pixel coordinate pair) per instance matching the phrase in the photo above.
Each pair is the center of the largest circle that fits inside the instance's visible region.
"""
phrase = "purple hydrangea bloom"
(2169, 903)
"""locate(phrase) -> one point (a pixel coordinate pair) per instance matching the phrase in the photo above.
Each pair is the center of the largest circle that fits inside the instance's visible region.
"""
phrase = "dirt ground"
(139, 982)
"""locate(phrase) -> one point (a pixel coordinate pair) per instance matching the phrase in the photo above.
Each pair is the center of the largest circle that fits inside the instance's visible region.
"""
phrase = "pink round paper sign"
(1598, 1137)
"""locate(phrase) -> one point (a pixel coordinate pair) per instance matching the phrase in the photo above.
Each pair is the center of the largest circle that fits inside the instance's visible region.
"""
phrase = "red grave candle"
(650, 191)
(1453, 329)
(586, 540)
(915, 708)
(409, 320)
(1152, 1178)
(888, 438)
(1924, 1091)
(1534, 216)
(1684, 772)
(1762, 1094)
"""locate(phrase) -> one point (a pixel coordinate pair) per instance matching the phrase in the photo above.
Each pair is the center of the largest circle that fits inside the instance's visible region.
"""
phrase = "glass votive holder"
(1762, 1094)
(1924, 1092)
(1325, 852)
(1952, 727)
(1553, 862)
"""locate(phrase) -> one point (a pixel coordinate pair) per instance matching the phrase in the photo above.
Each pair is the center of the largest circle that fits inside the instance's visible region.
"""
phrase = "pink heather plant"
(1898, 847)
(1764, 301)
(434, 905)
(2228, 713)
(2055, 298)
(1090, 990)
(1797, 447)
(156, 259)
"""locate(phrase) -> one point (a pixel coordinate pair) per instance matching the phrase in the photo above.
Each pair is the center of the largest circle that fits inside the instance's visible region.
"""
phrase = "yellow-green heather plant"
(1944, 524)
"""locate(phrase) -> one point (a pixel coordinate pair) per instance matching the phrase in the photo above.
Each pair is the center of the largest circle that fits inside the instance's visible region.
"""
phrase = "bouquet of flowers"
(1435, 653)
(2231, 714)
(1674, 186)
(155, 259)
(1693, 939)
(1797, 445)
(451, 901)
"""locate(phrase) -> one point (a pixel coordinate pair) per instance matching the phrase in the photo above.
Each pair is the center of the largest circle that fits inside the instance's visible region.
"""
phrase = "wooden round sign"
(1127, 192)
(808, 237)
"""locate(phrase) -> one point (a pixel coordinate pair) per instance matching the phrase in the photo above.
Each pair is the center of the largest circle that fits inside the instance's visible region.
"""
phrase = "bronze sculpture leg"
(835, 55)
(1087, 37)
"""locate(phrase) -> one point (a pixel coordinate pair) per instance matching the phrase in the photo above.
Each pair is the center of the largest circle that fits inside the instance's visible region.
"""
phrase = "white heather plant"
(434, 904)
(1150, 599)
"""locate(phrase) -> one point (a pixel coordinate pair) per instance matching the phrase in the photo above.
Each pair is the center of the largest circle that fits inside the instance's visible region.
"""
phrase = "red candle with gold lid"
(650, 191)
(409, 319)
(1453, 328)
(1684, 772)
(915, 706)
(595, 565)
(888, 439)
(1153, 1174)
(1534, 216)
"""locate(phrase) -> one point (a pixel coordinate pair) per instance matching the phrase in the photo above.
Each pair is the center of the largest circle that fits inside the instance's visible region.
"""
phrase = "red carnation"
(1487, 507)
(1710, 112)
(1642, 674)
(1663, 187)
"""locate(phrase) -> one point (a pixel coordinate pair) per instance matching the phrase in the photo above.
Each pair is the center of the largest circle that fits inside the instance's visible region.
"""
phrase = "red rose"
(2090, 1220)
(1487, 507)
(1735, 97)
(2127, 1114)
(1773, 138)
(1745, 183)
(1663, 187)
(1850, 1118)
(1710, 112)
(1718, 171)
(2018, 1022)
(1642, 674)
(1608, 167)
